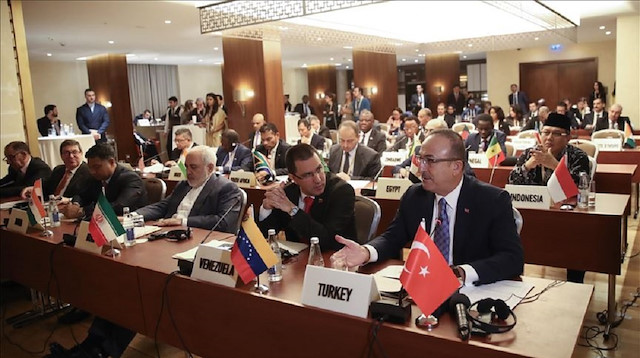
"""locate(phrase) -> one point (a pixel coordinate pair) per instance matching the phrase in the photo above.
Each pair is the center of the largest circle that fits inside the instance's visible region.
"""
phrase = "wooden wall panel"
(108, 78)
(442, 71)
(322, 79)
(555, 80)
(377, 69)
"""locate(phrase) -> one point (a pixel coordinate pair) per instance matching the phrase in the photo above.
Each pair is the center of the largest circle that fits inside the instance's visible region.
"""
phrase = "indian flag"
(494, 152)
(104, 225)
(36, 209)
(628, 136)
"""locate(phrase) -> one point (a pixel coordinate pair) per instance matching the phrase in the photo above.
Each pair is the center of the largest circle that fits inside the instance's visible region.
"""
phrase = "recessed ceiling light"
(608, 33)
(200, 60)
(404, 60)
(347, 67)
(330, 58)
(347, 47)
(111, 42)
(470, 45)
(338, 64)
(155, 59)
(602, 27)
(167, 21)
(319, 39)
(416, 61)
(49, 55)
(465, 56)
(536, 38)
(215, 49)
(81, 58)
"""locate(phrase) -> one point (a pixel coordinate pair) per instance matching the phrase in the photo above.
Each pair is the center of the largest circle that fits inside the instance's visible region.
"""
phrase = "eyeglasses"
(428, 160)
(71, 152)
(318, 171)
(10, 157)
(547, 133)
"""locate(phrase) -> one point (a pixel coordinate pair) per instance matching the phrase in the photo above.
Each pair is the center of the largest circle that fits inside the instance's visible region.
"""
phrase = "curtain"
(150, 86)
(140, 89)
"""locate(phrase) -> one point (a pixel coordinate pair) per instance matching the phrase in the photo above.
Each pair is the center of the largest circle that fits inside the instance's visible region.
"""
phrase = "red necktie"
(308, 203)
(63, 182)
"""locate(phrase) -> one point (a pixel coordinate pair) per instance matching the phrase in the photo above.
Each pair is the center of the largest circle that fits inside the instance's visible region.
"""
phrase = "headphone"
(498, 316)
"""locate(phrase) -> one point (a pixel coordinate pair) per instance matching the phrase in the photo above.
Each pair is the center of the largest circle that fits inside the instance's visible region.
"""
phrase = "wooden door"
(556, 80)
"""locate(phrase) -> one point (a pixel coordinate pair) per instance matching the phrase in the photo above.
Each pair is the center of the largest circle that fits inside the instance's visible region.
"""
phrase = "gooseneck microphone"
(458, 305)
(372, 191)
(220, 220)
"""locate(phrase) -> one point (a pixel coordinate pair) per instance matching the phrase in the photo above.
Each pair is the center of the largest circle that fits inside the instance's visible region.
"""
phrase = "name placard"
(478, 160)
(82, 239)
(339, 291)
(529, 196)
(19, 221)
(523, 143)
(175, 174)
(213, 264)
(392, 158)
(392, 188)
(608, 144)
(243, 179)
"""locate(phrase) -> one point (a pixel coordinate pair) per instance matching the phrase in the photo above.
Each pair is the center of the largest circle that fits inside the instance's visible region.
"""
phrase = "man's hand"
(344, 176)
(26, 192)
(169, 163)
(94, 133)
(353, 253)
(261, 176)
(403, 172)
(542, 158)
(276, 198)
(169, 222)
(71, 210)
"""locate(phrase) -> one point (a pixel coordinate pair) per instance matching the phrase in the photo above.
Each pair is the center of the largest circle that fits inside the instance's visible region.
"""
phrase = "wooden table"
(625, 156)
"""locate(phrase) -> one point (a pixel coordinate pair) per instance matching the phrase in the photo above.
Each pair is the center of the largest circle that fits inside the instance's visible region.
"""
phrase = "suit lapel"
(203, 194)
(178, 194)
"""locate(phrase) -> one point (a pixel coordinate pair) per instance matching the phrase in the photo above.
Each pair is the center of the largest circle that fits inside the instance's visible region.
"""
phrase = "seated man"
(122, 187)
(24, 169)
(349, 159)
(316, 204)
(598, 114)
(370, 136)
(614, 120)
(479, 142)
(50, 120)
(67, 179)
(273, 148)
(535, 165)
(321, 130)
(537, 122)
(471, 111)
(410, 139)
(307, 136)
(479, 239)
(404, 167)
(231, 155)
(184, 142)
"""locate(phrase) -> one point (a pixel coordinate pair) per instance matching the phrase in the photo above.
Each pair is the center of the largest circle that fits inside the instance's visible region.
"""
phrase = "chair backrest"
(334, 135)
(608, 133)
(587, 146)
(459, 127)
(518, 219)
(243, 210)
(593, 164)
(367, 214)
(531, 133)
(156, 189)
(510, 149)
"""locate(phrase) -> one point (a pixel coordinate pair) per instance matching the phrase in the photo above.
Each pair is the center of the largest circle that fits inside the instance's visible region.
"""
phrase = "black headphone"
(497, 320)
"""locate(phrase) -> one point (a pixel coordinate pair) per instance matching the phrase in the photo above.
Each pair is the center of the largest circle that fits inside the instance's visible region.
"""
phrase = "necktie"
(345, 167)
(361, 137)
(63, 182)
(483, 144)
(306, 109)
(308, 203)
(441, 232)
(515, 98)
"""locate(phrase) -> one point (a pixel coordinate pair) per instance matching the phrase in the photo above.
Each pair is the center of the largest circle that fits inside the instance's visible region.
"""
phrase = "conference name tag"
(529, 196)
(243, 179)
(175, 174)
(339, 291)
(478, 160)
(392, 158)
(213, 264)
(523, 143)
(392, 188)
(608, 144)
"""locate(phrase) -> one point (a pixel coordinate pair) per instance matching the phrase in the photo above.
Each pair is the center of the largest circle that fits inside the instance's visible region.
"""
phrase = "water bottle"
(583, 194)
(315, 255)
(54, 213)
(130, 237)
(71, 132)
(138, 220)
(275, 271)
(53, 130)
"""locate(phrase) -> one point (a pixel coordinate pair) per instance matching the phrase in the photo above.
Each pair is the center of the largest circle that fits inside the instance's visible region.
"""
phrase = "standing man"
(518, 98)
(287, 104)
(231, 155)
(256, 122)
(456, 99)
(349, 159)
(24, 169)
(50, 120)
(92, 117)
(369, 136)
(304, 108)
(360, 103)
(419, 100)
(172, 118)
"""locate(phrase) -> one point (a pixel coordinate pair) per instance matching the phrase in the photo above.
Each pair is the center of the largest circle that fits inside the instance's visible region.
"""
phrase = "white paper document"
(511, 292)
(10, 204)
(293, 247)
(391, 271)
(358, 184)
(190, 254)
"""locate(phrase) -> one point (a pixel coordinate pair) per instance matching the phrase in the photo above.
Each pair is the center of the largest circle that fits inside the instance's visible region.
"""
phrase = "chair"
(367, 214)
(510, 149)
(608, 133)
(531, 133)
(518, 219)
(587, 146)
(334, 135)
(156, 189)
(243, 209)
(592, 167)
(459, 127)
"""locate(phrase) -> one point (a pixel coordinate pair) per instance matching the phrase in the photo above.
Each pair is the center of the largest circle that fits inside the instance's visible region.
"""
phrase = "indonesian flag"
(494, 152)
(628, 136)
(560, 184)
(426, 275)
(465, 133)
(104, 225)
(36, 209)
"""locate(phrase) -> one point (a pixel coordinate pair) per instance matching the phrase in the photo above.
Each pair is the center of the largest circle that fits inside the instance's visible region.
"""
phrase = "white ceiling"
(72, 29)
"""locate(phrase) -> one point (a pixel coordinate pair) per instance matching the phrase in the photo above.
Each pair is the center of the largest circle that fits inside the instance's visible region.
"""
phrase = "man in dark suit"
(598, 114)
(537, 122)
(410, 139)
(173, 117)
(419, 100)
(231, 155)
(274, 149)
(24, 169)
(518, 98)
(479, 142)
(307, 136)
(449, 118)
(122, 187)
(319, 129)
(480, 240)
(360, 103)
(67, 179)
(49, 120)
(184, 143)
(562, 108)
(349, 159)
(316, 204)
(92, 117)
(613, 120)
(456, 99)
(471, 111)
(254, 138)
(304, 108)
(370, 136)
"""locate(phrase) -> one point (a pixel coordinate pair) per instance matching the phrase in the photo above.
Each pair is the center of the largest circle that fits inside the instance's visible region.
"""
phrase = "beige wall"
(59, 83)
(503, 66)
(295, 83)
(196, 81)
(628, 65)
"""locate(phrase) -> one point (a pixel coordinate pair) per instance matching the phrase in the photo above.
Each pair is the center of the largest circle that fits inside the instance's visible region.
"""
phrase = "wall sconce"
(107, 104)
(368, 91)
(374, 90)
(320, 95)
(241, 96)
(438, 89)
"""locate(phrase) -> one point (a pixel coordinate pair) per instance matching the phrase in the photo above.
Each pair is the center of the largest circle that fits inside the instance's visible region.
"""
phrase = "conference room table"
(138, 289)
(50, 147)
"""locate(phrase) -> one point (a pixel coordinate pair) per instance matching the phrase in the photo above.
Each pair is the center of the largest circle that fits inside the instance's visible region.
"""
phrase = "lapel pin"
(466, 210)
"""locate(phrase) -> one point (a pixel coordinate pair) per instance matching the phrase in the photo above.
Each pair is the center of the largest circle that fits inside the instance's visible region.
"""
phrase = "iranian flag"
(561, 185)
(36, 209)
(104, 225)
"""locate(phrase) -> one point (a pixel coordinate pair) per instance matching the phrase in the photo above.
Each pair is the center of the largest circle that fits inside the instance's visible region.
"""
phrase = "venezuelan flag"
(251, 254)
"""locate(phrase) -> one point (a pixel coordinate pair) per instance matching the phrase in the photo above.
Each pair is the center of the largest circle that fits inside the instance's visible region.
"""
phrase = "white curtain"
(150, 86)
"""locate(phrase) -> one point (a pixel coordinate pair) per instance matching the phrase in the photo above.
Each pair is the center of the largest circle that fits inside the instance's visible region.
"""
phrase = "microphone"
(372, 191)
(458, 305)
(155, 156)
(435, 226)
(219, 221)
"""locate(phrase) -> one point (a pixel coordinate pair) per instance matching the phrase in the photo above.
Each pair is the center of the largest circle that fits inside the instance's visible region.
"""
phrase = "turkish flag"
(426, 275)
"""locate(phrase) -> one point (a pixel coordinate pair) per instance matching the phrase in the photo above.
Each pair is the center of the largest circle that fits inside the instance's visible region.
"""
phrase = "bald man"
(255, 138)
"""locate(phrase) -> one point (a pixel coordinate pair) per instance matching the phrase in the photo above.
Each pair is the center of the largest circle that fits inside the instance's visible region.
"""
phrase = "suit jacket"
(250, 141)
(241, 158)
(603, 123)
(217, 196)
(98, 120)
(13, 183)
(414, 102)
(76, 184)
(457, 104)
(175, 153)
(473, 141)
(317, 141)
(467, 112)
(523, 101)
(484, 237)
(300, 109)
(324, 131)
(125, 189)
(450, 119)
(364, 104)
(44, 124)
(280, 164)
(366, 162)
(332, 214)
(377, 141)
(589, 119)
(401, 143)
(532, 123)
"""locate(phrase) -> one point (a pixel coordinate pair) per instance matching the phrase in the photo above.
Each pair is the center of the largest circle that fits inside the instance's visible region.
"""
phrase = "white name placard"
(523, 143)
(339, 291)
(243, 179)
(529, 196)
(175, 174)
(478, 160)
(392, 188)
(392, 158)
(82, 239)
(213, 264)
(608, 144)
(19, 221)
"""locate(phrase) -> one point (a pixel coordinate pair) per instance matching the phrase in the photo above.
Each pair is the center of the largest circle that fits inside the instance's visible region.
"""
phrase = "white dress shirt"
(185, 206)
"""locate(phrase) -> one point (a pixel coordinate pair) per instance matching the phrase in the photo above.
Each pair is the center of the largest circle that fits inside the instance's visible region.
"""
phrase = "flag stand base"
(429, 322)
(260, 288)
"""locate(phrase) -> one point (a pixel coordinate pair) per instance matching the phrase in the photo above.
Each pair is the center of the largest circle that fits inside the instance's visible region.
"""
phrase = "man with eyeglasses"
(66, 179)
(24, 169)
(351, 160)
(184, 142)
(471, 222)
(316, 203)
(538, 121)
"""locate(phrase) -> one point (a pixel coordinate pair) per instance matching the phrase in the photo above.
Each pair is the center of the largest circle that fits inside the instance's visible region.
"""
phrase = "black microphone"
(435, 226)
(155, 156)
(458, 305)
(219, 221)
(372, 191)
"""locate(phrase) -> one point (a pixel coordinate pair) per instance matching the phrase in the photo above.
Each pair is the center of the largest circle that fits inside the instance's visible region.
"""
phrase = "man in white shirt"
(598, 114)
(370, 136)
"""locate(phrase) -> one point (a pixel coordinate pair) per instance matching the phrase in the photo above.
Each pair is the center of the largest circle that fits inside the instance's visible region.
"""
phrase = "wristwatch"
(294, 211)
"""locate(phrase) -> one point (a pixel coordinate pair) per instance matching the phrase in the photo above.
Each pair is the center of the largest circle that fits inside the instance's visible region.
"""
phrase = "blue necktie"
(441, 232)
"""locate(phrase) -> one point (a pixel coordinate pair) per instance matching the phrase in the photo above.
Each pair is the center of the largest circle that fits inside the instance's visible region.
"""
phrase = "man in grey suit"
(201, 200)
(350, 160)
(370, 136)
